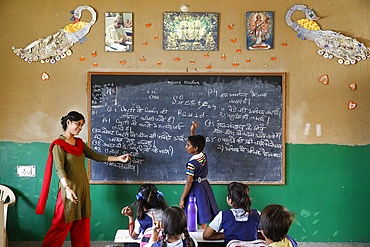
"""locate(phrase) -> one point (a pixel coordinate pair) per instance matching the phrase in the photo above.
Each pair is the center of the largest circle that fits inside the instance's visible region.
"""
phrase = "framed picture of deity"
(190, 31)
(260, 30)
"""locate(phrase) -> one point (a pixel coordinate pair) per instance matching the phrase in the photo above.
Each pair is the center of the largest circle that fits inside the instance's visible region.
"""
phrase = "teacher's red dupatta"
(76, 150)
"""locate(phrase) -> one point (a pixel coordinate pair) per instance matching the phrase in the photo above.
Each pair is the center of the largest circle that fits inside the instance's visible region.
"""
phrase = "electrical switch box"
(26, 171)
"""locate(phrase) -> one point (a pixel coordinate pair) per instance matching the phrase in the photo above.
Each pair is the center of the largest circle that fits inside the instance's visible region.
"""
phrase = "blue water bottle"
(192, 215)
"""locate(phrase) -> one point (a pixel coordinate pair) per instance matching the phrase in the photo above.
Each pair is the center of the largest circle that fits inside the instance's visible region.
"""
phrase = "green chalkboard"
(149, 116)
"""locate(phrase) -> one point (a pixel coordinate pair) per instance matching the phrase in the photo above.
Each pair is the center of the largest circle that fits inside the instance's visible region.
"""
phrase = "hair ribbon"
(139, 195)
(159, 193)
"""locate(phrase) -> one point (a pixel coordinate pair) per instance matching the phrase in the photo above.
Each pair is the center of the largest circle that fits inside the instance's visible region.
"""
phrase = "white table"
(122, 236)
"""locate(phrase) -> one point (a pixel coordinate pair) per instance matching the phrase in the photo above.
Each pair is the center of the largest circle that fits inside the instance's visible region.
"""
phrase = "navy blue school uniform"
(237, 224)
(147, 221)
(197, 167)
(294, 243)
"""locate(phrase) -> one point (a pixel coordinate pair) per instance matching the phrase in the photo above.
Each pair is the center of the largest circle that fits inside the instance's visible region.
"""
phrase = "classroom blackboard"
(149, 116)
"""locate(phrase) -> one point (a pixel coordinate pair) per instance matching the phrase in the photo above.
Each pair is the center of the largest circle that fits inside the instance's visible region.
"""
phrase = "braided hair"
(174, 222)
(148, 197)
(238, 193)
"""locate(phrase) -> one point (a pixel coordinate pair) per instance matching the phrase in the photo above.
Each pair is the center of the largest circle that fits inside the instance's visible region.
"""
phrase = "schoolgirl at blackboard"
(197, 184)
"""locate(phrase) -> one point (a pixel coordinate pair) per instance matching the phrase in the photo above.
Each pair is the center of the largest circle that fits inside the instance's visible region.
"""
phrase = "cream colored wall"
(31, 108)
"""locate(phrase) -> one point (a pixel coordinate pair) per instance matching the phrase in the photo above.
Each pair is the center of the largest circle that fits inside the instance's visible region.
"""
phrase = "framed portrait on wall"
(190, 31)
(260, 30)
(118, 32)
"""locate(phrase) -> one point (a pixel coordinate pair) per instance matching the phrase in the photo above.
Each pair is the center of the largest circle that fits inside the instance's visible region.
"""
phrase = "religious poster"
(190, 31)
(260, 30)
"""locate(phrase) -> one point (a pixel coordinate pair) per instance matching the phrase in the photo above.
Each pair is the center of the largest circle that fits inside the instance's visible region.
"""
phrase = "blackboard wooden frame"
(188, 76)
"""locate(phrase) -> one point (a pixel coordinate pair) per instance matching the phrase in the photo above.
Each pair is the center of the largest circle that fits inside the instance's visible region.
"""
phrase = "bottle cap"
(192, 199)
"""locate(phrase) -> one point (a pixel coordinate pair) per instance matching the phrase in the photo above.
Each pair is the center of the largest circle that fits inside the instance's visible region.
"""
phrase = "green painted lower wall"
(327, 186)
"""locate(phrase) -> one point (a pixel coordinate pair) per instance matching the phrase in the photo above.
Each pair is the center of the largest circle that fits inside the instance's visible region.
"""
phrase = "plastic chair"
(7, 198)
(254, 243)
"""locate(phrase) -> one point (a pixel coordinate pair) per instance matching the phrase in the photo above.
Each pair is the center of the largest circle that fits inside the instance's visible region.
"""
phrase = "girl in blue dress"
(197, 184)
(149, 203)
(174, 230)
(240, 222)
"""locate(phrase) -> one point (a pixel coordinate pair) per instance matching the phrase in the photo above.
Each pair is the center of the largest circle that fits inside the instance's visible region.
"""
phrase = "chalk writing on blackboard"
(149, 116)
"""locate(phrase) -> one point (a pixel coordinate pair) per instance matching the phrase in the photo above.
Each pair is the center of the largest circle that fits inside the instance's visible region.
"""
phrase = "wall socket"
(26, 171)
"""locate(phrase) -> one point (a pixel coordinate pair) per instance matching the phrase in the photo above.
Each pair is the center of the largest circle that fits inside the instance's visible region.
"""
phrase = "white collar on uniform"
(240, 214)
(156, 212)
(197, 156)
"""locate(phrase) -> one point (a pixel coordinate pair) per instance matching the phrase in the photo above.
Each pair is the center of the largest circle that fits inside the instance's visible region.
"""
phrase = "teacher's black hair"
(71, 116)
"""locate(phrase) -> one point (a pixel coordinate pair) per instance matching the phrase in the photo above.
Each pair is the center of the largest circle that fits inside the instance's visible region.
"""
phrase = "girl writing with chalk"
(197, 184)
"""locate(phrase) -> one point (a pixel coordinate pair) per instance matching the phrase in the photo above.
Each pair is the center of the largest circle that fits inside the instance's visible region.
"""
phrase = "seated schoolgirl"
(174, 230)
(240, 222)
(274, 225)
(149, 202)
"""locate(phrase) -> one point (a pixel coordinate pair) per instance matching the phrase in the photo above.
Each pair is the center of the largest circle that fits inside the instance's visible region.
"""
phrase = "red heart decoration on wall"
(324, 79)
(45, 76)
(352, 105)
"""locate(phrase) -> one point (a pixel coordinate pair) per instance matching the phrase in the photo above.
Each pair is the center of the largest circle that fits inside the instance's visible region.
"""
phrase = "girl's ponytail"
(189, 242)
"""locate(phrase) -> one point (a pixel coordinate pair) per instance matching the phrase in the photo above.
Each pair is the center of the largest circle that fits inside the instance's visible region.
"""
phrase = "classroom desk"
(122, 237)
